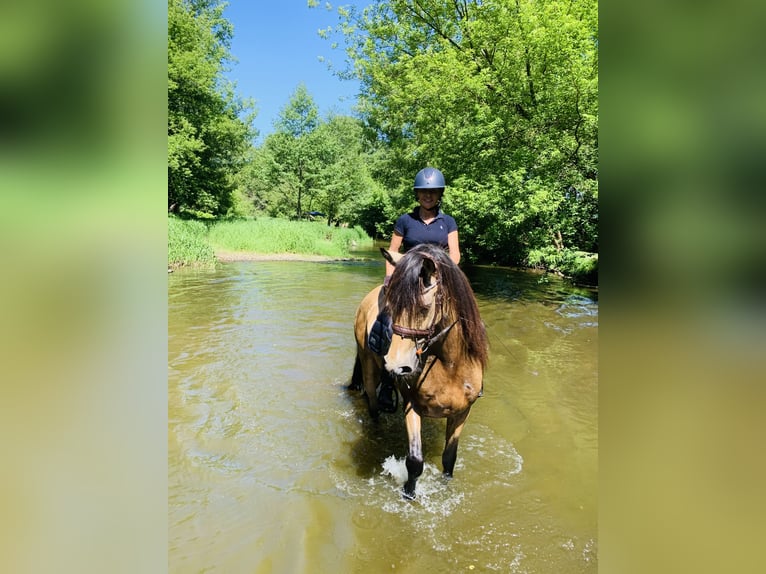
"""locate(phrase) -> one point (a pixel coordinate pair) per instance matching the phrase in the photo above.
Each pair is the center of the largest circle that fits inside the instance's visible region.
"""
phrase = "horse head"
(415, 303)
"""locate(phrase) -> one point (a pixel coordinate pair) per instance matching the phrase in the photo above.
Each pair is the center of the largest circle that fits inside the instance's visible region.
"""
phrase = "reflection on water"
(275, 467)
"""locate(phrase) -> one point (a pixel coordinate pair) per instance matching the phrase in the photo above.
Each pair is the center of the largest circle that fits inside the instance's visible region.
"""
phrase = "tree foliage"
(309, 164)
(206, 137)
(499, 94)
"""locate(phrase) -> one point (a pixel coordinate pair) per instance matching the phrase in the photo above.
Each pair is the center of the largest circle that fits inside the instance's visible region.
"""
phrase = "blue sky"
(277, 46)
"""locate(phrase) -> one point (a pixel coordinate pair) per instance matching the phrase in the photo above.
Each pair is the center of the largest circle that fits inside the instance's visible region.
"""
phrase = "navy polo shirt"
(415, 232)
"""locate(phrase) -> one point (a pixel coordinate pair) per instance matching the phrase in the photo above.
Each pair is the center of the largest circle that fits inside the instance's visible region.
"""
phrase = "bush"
(578, 266)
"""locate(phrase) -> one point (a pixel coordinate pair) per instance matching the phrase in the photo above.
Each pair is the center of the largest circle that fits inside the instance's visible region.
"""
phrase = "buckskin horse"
(437, 353)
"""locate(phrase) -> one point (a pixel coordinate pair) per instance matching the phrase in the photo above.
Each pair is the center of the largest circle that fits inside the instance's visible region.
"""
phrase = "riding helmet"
(429, 178)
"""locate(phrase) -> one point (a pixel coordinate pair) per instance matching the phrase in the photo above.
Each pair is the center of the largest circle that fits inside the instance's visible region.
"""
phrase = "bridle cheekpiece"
(425, 338)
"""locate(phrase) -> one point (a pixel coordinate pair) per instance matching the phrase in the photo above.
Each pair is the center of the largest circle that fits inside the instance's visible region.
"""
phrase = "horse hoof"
(408, 495)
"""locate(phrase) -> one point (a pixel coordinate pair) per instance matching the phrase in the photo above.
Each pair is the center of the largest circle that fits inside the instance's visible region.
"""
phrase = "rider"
(427, 223)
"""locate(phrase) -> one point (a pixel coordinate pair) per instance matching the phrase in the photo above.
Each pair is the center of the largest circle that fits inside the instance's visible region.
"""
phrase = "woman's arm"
(396, 243)
(454, 247)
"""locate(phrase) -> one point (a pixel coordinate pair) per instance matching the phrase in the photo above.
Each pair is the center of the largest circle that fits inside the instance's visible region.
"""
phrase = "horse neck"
(451, 348)
(452, 365)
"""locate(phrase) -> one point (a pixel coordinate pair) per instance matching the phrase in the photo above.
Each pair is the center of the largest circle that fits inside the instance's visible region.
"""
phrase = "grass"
(194, 243)
(188, 244)
(268, 236)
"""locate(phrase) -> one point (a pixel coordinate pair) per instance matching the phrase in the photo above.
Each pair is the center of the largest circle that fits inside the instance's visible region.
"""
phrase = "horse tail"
(356, 377)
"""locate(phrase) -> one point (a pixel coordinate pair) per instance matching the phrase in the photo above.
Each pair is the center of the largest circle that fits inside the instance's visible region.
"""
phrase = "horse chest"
(444, 390)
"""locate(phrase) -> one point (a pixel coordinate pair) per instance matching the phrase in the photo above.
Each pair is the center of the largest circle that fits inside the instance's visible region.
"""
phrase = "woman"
(427, 223)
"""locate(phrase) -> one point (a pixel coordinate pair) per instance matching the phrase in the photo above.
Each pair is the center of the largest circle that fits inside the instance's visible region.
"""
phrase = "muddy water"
(275, 467)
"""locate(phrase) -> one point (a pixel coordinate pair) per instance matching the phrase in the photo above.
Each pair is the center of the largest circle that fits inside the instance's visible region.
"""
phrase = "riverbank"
(203, 244)
(234, 256)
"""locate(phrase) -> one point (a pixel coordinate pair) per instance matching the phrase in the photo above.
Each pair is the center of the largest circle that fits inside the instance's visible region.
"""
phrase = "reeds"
(195, 243)
(188, 244)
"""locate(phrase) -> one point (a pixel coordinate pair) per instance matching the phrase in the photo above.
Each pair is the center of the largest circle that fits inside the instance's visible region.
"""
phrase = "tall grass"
(188, 244)
(269, 236)
(194, 243)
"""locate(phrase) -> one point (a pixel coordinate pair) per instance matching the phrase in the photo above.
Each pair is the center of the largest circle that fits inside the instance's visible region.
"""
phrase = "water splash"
(397, 469)
(436, 496)
(433, 495)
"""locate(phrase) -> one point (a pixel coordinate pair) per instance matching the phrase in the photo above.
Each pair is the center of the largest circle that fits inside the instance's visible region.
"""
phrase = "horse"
(438, 348)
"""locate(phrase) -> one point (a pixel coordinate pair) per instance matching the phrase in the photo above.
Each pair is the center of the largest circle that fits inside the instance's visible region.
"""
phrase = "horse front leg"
(414, 452)
(455, 425)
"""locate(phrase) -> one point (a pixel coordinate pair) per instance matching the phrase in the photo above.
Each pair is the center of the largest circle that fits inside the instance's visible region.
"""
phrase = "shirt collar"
(416, 214)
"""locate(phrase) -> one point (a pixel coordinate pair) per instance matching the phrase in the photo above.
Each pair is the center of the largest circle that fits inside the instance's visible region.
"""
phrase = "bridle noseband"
(418, 335)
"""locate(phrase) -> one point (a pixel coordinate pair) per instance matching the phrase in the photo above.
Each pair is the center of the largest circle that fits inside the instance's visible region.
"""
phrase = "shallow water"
(275, 467)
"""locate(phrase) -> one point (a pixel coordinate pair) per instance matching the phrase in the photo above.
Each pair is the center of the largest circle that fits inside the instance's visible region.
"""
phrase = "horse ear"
(391, 256)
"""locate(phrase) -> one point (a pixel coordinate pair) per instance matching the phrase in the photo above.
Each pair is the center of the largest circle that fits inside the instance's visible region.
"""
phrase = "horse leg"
(370, 376)
(455, 425)
(356, 377)
(414, 452)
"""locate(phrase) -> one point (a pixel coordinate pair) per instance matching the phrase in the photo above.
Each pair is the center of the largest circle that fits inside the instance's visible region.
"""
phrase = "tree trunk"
(558, 241)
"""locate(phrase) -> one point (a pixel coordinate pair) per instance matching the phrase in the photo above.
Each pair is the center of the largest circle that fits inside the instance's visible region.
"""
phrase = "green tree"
(310, 164)
(293, 147)
(374, 213)
(300, 116)
(207, 139)
(344, 178)
(499, 94)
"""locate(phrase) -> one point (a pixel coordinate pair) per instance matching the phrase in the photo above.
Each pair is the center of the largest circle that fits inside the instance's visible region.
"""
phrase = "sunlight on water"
(580, 312)
(497, 454)
(274, 466)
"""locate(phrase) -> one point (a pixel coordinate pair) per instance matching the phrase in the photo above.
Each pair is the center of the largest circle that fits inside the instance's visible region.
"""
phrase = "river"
(275, 467)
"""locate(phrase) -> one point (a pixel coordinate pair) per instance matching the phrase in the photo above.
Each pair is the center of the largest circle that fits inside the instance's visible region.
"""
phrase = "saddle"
(381, 332)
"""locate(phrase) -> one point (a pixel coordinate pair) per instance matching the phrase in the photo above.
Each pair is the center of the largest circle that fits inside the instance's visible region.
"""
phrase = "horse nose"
(402, 370)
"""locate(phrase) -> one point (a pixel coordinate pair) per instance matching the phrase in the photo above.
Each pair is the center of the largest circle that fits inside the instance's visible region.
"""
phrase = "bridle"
(425, 338)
